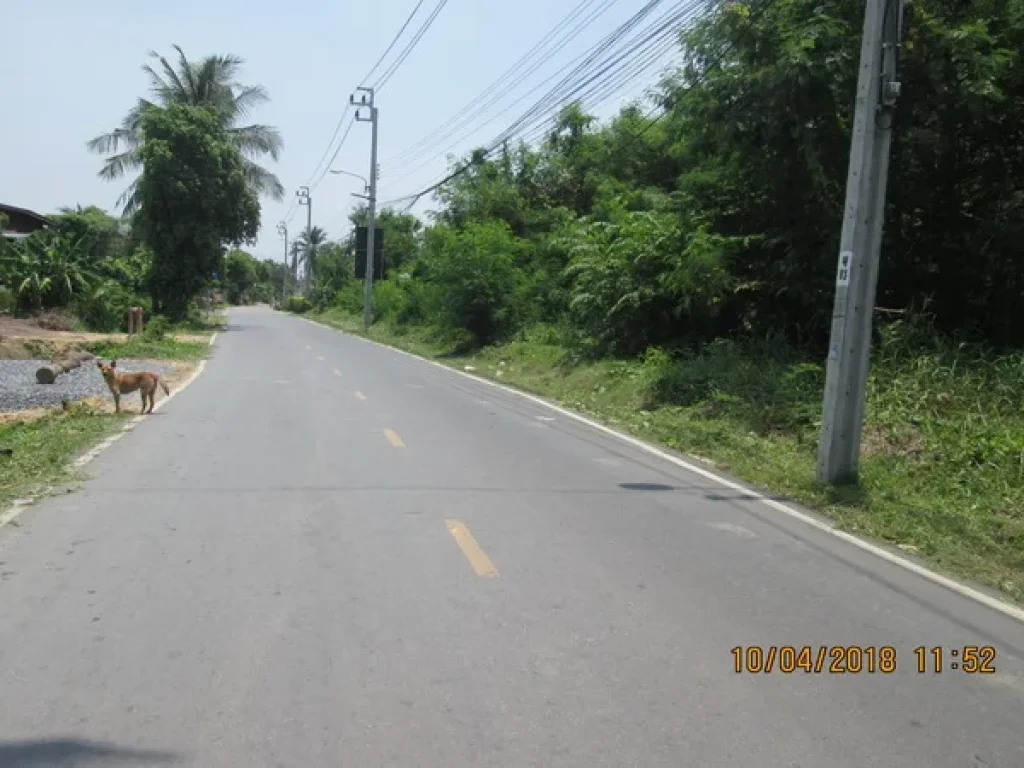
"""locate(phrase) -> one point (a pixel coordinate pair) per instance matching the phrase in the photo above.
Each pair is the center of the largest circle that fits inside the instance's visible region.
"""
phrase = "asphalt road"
(325, 553)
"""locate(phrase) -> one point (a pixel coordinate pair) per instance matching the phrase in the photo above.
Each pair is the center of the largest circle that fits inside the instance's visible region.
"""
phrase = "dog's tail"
(163, 385)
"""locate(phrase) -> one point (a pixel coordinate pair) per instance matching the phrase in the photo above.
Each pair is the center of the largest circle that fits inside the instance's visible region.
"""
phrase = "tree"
(99, 232)
(240, 275)
(211, 83)
(308, 242)
(401, 232)
(475, 270)
(194, 196)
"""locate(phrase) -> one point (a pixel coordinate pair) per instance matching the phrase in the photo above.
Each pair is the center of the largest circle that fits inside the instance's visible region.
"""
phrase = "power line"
(395, 40)
(494, 117)
(753, 18)
(337, 149)
(565, 89)
(439, 132)
(337, 130)
(600, 87)
(382, 80)
(560, 93)
(587, 54)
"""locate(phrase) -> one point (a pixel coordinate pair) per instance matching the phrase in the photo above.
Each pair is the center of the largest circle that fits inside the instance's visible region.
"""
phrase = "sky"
(73, 69)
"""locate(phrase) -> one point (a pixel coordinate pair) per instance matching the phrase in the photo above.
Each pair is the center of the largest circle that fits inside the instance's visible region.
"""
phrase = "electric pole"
(878, 88)
(282, 230)
(371, 223)
(306, 200)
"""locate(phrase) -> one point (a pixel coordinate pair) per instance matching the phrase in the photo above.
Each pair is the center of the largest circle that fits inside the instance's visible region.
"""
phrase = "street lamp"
(366, 184)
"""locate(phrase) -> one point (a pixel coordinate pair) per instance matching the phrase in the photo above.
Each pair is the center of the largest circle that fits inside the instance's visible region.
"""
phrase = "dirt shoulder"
(20, 338)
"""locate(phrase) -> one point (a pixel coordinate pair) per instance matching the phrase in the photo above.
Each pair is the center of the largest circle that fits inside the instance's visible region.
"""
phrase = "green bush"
(389, 300)
(156, 329)
(321, 294)
(480, 288)
(421, 301)
(350, 298)
(6, 301)
(297, 304)
(105, 307)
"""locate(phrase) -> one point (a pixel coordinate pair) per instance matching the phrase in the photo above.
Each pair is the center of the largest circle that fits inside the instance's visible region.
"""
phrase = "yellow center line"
(394, 438)
(337, 373)
(360, 395)
(477, 557)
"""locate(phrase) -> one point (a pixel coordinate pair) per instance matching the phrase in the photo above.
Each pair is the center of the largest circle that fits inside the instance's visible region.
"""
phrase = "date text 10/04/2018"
(860, 659)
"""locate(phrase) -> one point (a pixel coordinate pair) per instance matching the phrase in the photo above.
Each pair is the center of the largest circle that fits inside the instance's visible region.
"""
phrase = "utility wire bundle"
(596, 75)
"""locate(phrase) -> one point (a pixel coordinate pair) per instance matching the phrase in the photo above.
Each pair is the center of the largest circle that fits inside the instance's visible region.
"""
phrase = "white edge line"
(962, 589)
(13, 513)
(213, 338)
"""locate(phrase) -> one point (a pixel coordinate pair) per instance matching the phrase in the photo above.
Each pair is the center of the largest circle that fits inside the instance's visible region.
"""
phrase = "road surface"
(326, 553)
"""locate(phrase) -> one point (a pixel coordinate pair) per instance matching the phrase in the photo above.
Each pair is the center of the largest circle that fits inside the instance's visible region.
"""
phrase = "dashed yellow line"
(394, 438)
(474, 553)
(360, 396)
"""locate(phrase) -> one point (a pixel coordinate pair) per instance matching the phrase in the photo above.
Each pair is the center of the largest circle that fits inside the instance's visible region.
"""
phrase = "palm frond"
(248, 98)
(257, 140)
(215, 76)
(130, 200)
(129, 134)
(188, 74)
(107, 142)
(116, 166)
(164, 89)
(263, 181)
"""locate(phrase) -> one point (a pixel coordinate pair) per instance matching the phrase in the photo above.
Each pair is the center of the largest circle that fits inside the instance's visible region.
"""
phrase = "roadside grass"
(167, 348)
(942, 469)
(41, 449)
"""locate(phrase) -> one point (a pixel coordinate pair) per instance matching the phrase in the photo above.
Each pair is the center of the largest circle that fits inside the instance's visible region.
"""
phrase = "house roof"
(4, 208)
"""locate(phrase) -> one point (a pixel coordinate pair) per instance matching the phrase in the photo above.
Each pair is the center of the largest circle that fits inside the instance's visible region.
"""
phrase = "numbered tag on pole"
(843, 272)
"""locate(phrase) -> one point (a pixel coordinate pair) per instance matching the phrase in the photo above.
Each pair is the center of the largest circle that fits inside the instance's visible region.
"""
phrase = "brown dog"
(126, 383)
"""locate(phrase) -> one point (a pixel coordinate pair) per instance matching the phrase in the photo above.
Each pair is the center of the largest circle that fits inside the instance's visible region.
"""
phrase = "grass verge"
(167, 348)
(41, 449)
(942, 471)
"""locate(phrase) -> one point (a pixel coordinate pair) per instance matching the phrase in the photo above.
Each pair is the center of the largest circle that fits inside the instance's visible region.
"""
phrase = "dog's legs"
(117, 402)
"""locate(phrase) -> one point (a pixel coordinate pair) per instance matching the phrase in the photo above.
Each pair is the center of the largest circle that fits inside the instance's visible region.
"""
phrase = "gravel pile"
(19, 389)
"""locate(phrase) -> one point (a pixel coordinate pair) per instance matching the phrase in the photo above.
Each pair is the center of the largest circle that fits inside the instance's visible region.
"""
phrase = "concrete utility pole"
(372, 119)
(306, 200)
(282, 230)
(878, 88)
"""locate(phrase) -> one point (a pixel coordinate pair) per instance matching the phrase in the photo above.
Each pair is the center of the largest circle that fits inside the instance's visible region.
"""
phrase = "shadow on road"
(646, 487)
(61, 752)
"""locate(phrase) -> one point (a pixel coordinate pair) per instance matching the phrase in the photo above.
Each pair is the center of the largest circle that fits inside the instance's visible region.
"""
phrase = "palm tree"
(309, 241)
(210, 82)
